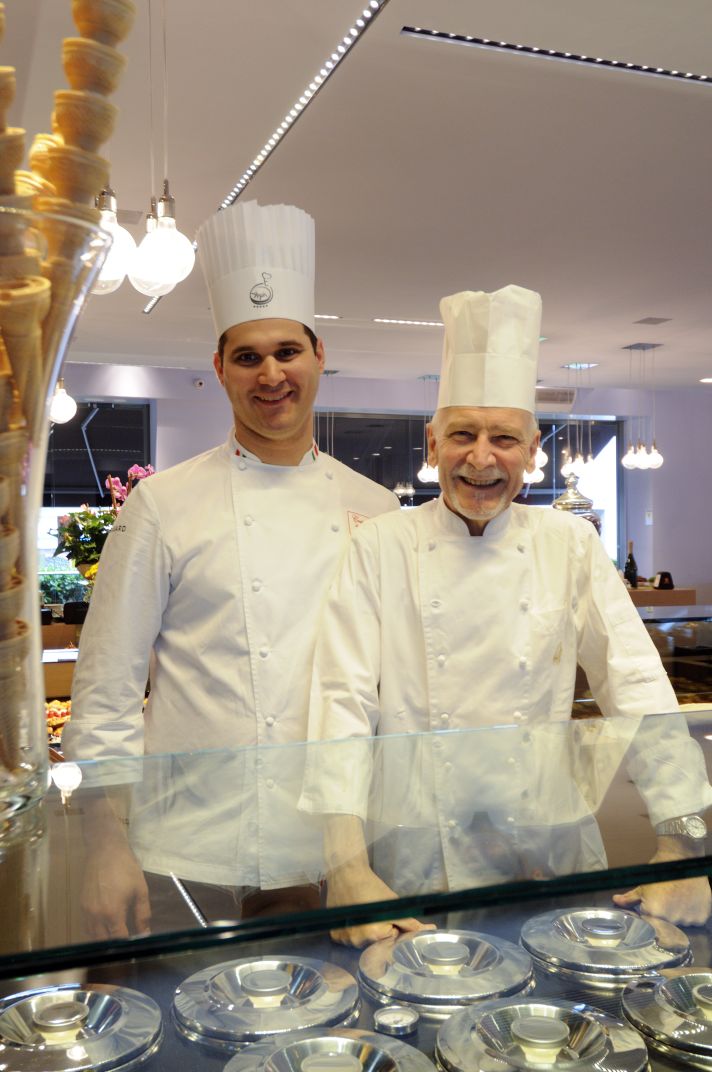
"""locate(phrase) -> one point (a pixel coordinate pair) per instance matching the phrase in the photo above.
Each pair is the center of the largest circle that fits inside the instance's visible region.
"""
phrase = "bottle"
(630, 572)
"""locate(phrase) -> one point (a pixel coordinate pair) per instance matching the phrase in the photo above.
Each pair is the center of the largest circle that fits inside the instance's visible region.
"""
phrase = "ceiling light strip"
(358, 27)
(555, 54)
(355, 32)
(409, 323)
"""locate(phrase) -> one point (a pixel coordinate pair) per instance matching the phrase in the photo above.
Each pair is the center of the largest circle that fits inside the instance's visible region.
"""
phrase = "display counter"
(250, 980)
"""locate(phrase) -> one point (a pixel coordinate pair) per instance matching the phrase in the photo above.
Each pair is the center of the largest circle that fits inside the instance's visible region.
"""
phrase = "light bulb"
(409, 489)
(428, 474)
(62, 407)
(399, 489)
(567, 468)
(629, 459)
(67, 777)
(578, 464)
(655, 458)
(120, 257)
(152, 272)
(535, 477)
(540, 458)
(641, 457)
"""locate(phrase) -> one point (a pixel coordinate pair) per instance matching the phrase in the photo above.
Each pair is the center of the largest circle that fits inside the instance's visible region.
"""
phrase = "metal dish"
(537, 1035)
(76, 1027)
(438, 972)
(603, 947)
(332, 1051)
(674, 1013)
(249, 1000)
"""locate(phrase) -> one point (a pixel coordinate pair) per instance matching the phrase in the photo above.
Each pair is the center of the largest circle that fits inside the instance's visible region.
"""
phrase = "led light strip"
(357, 29)
(554, 54)
(409, 323)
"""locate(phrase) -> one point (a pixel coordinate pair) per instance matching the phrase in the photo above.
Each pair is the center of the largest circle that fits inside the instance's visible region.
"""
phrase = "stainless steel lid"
(250, 999)
(674, 1013)
(433, 969)
(605, 943)
(537, 1035)
(75, 1027)
(331, 1051)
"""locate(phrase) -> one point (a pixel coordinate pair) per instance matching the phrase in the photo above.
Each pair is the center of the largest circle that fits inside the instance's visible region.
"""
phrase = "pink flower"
(119, 488)
(137, 472)
(63, 520)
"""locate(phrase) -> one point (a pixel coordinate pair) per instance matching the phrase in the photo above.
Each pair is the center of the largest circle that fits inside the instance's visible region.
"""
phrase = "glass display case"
(504, 846)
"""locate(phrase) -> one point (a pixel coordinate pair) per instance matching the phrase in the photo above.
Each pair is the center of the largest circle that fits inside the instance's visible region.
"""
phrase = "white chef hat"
(490, 349)
(258, 262)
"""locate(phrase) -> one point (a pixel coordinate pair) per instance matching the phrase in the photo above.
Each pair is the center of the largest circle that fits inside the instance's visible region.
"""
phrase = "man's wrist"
(691, 827)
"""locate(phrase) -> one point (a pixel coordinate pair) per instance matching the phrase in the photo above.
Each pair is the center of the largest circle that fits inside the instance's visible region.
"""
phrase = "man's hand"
(363, 889)
(351, 881)
(114, 896)
(686, 901)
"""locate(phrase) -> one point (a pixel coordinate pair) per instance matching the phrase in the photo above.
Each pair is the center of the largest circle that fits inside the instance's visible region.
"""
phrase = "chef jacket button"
(521, 548)
(511, 760)
(517, 716)
(524, 604)
(264, 652)
(335, 527)
(269, 721)
(522, 663)
(249, 519)
(270, 783)
(435, 603)
(437, 743)
(441, 660)
(329, 474)
(447, 767)
(444, 717)
(510, 820)
(431, 545)
(256, 585)
(242, 465)
(451, 823)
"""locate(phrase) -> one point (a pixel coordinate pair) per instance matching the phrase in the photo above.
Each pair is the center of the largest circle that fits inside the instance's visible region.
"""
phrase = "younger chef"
(215, 572)
(471, 611)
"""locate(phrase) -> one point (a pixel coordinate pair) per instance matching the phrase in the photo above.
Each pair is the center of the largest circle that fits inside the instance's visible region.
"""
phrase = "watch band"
(691, 826)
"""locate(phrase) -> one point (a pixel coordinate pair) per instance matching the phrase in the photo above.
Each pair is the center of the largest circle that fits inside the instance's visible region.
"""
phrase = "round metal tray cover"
(78, 1027)
(331, 1051)
(604, 940)
(673, 1010)
(250, 999)
(526, 1034)
(448, 967)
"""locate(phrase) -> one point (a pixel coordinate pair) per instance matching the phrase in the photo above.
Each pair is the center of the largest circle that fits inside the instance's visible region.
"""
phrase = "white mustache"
(484, 477)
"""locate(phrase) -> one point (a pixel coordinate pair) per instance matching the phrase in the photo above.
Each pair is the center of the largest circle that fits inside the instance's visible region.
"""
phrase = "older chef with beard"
(216, 571)
(473, 611)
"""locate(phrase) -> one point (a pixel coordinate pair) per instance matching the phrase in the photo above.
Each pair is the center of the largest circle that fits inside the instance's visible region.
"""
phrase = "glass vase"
(48, 264)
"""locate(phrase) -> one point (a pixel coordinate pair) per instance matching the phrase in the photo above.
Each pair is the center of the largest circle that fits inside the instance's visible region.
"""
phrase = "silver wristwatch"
(692, 826)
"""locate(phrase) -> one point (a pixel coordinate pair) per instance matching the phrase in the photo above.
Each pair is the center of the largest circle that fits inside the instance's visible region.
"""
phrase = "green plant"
(58, 587)
(81, 535)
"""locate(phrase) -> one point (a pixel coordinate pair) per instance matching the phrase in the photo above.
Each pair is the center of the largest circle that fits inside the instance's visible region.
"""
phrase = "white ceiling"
(429, 168)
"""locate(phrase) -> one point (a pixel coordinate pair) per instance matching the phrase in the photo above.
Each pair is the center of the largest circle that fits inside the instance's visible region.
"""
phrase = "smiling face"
(270, 372)
(481, 454)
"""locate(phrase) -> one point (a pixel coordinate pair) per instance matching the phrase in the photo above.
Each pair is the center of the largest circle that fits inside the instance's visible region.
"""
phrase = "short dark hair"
(223, 339)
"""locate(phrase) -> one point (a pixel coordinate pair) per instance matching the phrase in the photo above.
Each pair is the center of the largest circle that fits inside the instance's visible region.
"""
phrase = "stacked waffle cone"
(38, 264)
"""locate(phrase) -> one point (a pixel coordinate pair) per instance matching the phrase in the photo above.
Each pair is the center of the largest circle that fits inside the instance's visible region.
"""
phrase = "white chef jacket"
(217, 569)
(431, 629)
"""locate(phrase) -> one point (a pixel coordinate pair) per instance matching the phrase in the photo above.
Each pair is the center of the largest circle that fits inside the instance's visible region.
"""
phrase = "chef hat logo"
(491, 348)
(262, 293)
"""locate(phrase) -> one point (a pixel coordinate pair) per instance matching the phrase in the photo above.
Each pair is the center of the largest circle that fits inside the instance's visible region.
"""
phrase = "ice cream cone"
(4, 496)
(19, 264)
(61, 236)
(32, 184)
(85, 120)
(7, 93)
(6, 386)
(11, 599)
(13, 226)
(92, 66)
(106, 21)
(13, 449)
(24, 303)
(12, 150)
(14, 649)
(9, 553)
(39, 161)
(76, 174)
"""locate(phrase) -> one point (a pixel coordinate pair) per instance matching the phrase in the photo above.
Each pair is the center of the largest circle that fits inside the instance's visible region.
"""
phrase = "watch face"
(695, 826)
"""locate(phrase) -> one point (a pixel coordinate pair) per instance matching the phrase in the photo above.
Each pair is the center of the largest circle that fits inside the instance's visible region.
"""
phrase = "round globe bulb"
(540, 458)
(121, 254)
(567, 468)
(655, 458)
(62, 407)
(428, 474)
(578, 465)
(67, 776)
(629, 459)
(535, 477)
(641, 457)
